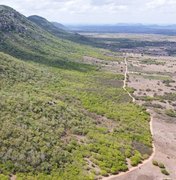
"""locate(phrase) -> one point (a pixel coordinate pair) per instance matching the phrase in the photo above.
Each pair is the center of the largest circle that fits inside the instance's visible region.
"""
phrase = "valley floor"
(163, 126)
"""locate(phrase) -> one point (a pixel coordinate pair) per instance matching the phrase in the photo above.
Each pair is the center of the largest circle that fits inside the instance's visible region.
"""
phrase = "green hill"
(60, 118)
(45, 24)
(24, 39)
(57, 30)
(60, 26)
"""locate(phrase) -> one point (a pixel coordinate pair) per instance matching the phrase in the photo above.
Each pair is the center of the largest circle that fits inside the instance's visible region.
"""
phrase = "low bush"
(170, 113)
(165, 172)
(155, 163)
(161, 165)
(136, 159)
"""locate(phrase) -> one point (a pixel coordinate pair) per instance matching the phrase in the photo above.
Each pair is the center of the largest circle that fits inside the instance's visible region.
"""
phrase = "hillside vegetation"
(60, 118)
(58, 30)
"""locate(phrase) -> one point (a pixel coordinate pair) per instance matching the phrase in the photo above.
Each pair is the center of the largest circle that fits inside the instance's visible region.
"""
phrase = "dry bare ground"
(147, 79)
(164, 140)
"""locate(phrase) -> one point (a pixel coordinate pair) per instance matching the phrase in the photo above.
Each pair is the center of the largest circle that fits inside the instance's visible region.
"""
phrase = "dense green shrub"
(4, 177)
(136, 159)
(52, 119)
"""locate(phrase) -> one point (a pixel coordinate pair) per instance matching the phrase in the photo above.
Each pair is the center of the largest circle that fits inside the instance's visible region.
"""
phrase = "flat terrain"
(151, 44)
(153, 79)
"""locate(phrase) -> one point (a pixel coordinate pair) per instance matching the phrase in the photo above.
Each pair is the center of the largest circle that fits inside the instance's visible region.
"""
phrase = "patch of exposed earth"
(148, 81)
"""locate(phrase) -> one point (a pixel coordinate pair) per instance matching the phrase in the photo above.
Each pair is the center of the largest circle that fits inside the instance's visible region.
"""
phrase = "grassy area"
(157, 77)
(171, 97)
(170, 113)
(50, 127)
(152, 61)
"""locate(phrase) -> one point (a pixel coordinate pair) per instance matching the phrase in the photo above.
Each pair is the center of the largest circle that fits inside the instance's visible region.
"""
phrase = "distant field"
(142, 37)
(154, 81)
(124, 28)
(150, 44)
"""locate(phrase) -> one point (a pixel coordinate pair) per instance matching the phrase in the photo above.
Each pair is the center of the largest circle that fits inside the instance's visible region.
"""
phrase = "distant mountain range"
(26, 37)
(126, 28)
(35, 38)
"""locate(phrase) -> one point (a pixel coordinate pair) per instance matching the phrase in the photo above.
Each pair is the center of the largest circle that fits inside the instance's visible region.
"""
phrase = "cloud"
(156, 4)
(161, 3)
(99, 11)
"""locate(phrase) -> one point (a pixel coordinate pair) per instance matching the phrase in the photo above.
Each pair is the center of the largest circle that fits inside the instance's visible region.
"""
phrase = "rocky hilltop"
(11, 20)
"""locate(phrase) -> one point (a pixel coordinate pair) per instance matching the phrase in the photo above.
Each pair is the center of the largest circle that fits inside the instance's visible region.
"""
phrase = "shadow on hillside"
(63, 63)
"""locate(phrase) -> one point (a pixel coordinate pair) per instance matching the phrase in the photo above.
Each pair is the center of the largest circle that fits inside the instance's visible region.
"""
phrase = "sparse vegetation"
(149, 104)
(170, 112)
(168, 96)
(152, 61)
(167, 82)
(161, 166)
(164, 79)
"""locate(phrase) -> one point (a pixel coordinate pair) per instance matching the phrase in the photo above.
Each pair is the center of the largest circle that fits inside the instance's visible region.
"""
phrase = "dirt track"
(113, 177)
(164, 139)
(165, 143)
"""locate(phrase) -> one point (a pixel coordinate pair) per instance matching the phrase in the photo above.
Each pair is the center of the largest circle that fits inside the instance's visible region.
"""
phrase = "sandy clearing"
(13, 177)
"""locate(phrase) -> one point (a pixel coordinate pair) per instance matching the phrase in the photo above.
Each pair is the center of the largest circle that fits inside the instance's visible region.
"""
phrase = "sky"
(99, 11)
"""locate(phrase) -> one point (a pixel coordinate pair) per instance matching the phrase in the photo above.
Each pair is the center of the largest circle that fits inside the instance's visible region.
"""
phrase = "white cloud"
(156, 3)
(99, 11)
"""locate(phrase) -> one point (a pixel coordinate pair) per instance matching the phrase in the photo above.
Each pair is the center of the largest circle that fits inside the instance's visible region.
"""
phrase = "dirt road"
(164, 148)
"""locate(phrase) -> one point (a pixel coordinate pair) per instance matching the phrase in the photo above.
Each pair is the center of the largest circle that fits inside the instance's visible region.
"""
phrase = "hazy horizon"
(119, 23)
(100, 12)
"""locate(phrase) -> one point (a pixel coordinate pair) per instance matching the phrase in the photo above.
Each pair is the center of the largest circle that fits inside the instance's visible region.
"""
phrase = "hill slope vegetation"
(60, 118)
(58, 30)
